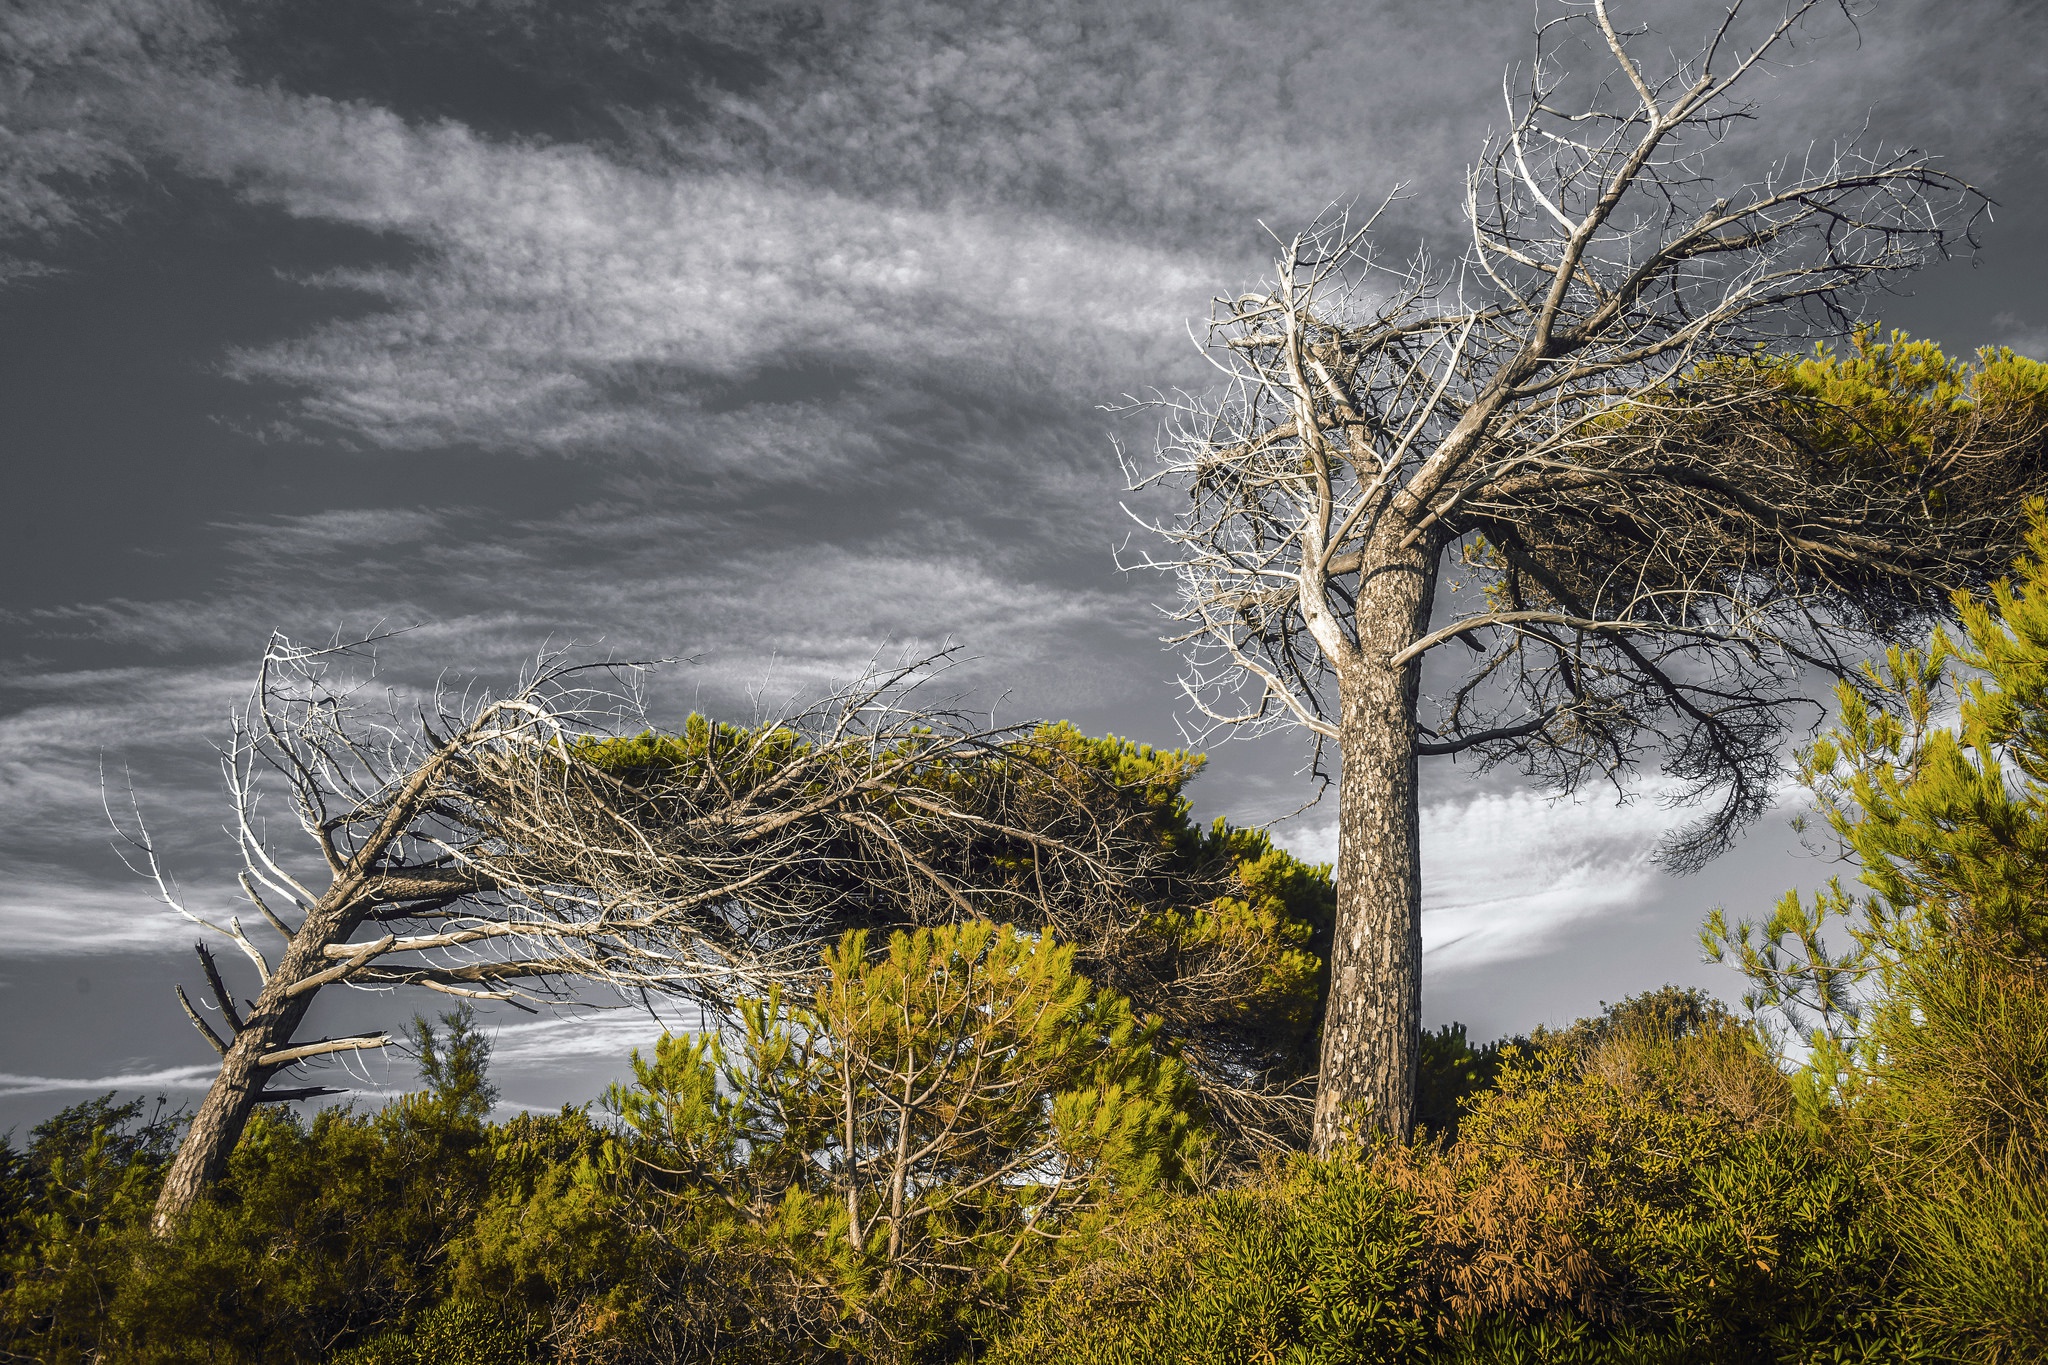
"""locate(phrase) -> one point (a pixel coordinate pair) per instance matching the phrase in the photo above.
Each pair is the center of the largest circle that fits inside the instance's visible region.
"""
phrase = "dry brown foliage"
(1584, 1138)
(1500, 1235)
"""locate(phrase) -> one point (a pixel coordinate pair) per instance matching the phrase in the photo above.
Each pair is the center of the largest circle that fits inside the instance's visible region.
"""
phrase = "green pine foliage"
(1221, 935)
(1926, 994)
(1450, 1070)
(1904, 403)
(1312, 1266)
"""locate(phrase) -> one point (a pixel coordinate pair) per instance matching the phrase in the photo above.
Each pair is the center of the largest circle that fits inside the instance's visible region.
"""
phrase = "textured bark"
(238, 1088)
(1372, 1027)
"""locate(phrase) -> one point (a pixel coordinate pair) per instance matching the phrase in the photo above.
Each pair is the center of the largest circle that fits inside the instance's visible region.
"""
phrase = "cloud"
(51, 913)
(571, 303)
(914, 202)
(69, 70)
(1163, 120)
(149, 730)
(2027, 337)
(1960, 83)
(52, 742)
(1504, 873)
(165, 1078)
(608, 1035)
(916, 198)
(730, 589)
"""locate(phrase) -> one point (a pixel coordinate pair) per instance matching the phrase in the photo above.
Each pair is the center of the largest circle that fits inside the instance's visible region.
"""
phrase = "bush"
(1641, 1175)
(458, 1332)
(1314, 1266)
(72, 1203)
(1449, 1072)
(1956, 1105)
(1633, 1189)
(320, 1233)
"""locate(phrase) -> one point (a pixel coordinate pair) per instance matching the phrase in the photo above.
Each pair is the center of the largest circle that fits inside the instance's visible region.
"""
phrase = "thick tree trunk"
(1372, 1024)
(203, 1155)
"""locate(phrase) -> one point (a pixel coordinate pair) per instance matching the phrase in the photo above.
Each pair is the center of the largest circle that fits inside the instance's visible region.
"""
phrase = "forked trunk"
(1373, 1021)
(238, 1088)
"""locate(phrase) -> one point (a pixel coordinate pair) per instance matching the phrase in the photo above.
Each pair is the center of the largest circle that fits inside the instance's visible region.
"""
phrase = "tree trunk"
(1373, 1021)
(203, 1156)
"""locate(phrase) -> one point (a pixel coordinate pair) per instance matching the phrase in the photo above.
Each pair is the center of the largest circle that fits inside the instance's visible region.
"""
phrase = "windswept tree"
(511, 849)
(1579, 453)
(533, 847)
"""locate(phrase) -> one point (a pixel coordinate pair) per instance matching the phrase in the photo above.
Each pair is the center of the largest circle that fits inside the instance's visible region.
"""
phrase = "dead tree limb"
(521, 848)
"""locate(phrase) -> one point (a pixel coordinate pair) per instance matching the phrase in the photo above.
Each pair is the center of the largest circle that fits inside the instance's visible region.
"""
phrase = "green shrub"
(1314, 1267)
(1635, 1188)
(1928, 996)
(1956, 1104)
(1450, 1071)
(321, 1232)
(458, 1332)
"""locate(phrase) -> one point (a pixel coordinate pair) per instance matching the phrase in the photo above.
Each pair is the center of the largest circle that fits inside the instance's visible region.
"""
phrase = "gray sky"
(766, 336)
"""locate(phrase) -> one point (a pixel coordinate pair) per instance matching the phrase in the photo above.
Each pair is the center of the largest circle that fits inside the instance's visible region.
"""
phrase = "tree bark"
(203, 1156)
(1373, 1022)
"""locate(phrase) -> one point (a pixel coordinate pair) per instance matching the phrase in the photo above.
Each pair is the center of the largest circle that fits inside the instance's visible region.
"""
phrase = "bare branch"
(323, 1048)
(212, 1038)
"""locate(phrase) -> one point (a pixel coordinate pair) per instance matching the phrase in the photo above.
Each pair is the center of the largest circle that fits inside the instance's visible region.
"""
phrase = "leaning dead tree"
(501, 849)
(1575, 454)
(532, 847)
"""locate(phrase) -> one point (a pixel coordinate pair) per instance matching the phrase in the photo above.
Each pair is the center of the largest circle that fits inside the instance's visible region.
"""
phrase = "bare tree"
(1573, 441)
(493, 848)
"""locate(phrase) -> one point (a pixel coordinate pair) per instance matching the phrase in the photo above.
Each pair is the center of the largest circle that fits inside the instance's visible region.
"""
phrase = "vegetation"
(952, 1143)
(1213, 931)
(1646, 1187)
(476, 851)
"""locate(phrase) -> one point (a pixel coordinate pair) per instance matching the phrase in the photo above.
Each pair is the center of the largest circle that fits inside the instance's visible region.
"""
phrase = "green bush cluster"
(1641, 1198)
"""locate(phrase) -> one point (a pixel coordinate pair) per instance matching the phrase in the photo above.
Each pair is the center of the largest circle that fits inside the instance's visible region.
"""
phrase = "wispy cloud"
(608, 1035)
(69, 71)
(1506, 872)
(572, 303)
(911, 201)
(52, 912)
(919, 195)
(165, 1078)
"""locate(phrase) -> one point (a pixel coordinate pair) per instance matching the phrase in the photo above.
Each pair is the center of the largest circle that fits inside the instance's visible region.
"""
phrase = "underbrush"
(1649, 1186)
(1635, 1190)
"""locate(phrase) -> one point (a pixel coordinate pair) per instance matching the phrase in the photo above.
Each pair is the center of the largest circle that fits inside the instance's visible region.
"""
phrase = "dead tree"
(495, 848)
(1571, 444)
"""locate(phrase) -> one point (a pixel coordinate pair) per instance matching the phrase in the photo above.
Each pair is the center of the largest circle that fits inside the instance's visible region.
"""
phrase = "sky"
(768, 338)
